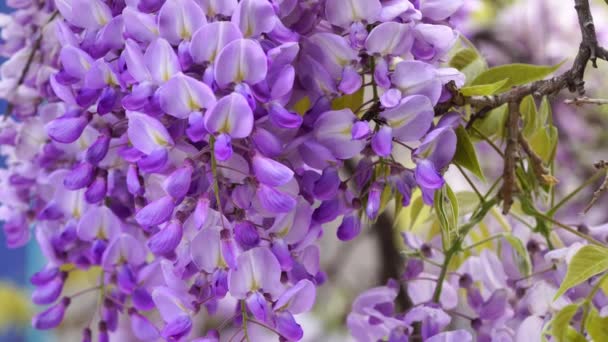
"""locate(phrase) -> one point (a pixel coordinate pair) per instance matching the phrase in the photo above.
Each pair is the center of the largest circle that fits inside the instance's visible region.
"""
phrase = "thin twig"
(540, 171)
(579, 101)
(509, 185)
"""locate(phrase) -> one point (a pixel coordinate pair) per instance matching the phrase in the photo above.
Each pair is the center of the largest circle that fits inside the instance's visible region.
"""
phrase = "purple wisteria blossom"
(165, 143)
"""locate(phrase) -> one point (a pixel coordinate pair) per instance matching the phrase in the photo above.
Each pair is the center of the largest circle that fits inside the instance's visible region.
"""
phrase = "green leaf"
(520, 255)
(532, 121)
(467, 59)
(544, 142)
(493, 124)
(484, 90)
(468, 201)
(465, 153)
(517, 74)
(561, 322)
(597, 327)
(546, 113)
(587, 262)
(446, 205)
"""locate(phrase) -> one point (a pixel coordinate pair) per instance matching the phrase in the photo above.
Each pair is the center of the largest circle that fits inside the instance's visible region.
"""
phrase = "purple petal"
(344, 13)
(270, 172)
(333, 129)
(411, 119)
(453, 336)
(142, 300)
(391, 98)
(124, 248)
(439, 146)
(177, 328)
(298, 299)
(267, 143)
(231, 115)
(400, 42)
(210, 39)
(205, 250)
(142, 328)
(257, 267)
(243, 60)
(146, 133)
(222, 148)
(351, 81)
(48, 293)
(156, 212)
(183, 94)
(79, 177)
(98, 222)
(283, 118)
(179, 19)
(161, 61)
(382, 141)
(139, 26)
(373, 201)
(45, 275)
(495, 306)
(438, 10)
(66, 129)
(178, 182)
(257, 304)
(98, 150)
(349, 229)
(361, 130)
(275, 201)
(51, 317)
(91, 14)
(135, 60)
(154, 162)
(254, 17)
(288, 327)
(327, 186)
(246, 234)
(96, 191)
(218, 7)
(427, 176)
(415, 77)
(167, 239)
(75, 62)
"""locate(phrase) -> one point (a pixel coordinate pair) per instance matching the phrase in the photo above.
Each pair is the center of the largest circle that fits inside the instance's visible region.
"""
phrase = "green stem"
(244, 314)
(571, 195)
(479, 215)
(489, 141)
(216, 185)
(587, 302)
(570, 229)
(444, 270)
(481, 198)
(477, 244)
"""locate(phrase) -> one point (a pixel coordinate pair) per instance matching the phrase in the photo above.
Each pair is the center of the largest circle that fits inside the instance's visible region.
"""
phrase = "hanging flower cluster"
(161, 141)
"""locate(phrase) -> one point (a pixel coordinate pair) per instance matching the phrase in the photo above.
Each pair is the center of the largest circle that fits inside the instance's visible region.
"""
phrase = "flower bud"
(156, 212)
(51, 317)
(98, 150)
(349, 229)
(246, 235)
(79, 177)
(96, 192)
(167, 239)
(66, 129)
